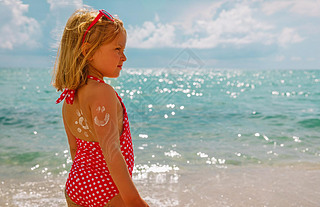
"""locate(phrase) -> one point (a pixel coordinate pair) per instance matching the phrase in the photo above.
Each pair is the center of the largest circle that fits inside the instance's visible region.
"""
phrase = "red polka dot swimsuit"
(89, 182)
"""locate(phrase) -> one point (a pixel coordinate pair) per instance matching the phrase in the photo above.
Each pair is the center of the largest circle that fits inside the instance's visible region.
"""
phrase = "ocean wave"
(310, 123)
(11, 158)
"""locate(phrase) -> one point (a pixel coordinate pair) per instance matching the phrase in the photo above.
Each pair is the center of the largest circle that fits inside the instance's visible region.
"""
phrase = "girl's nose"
(124, 57)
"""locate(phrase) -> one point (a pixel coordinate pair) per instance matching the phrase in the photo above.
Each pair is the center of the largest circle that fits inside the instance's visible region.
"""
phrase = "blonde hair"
(70, 69)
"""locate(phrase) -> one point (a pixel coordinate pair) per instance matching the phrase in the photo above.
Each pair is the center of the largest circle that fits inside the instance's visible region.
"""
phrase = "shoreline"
(241, 186)
(294, 185)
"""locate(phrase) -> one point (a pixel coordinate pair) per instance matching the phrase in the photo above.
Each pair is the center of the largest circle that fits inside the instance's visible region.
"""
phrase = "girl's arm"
(103, 106)
(71, 138)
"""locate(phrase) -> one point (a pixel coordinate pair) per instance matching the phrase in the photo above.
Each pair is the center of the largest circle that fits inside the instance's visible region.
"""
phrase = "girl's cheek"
(117, 56)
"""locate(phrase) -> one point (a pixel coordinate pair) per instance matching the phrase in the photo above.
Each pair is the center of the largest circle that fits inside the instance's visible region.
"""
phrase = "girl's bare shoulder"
(95, 91)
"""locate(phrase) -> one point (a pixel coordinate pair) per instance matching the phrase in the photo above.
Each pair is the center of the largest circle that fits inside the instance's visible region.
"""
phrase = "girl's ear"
(84, 49)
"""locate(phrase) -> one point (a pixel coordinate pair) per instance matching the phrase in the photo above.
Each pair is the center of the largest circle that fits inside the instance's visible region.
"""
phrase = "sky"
(222, 34)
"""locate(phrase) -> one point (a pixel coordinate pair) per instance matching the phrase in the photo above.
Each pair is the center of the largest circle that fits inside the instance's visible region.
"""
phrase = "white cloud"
(287, 36)
(199, 12)
(151, 35)
(311, 59)
(280, 58)
(294, 58)
(16, 29)
(60, 11)
(217, 24)
(272, 7)
(305, 7)
(61, 4)
(156, 17)
(156, 34)
(235, 26)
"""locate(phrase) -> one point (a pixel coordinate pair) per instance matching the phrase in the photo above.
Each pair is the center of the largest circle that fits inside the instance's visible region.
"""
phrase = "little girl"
(94, 116)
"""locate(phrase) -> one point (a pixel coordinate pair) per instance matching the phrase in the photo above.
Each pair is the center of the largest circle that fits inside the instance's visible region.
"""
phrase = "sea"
(202, 137)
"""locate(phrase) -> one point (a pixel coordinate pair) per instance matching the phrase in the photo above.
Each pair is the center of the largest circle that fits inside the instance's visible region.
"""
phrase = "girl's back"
(79, 113)
(90, 182)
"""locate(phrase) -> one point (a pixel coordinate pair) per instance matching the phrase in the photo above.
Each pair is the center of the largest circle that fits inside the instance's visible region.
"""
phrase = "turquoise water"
(180, 120)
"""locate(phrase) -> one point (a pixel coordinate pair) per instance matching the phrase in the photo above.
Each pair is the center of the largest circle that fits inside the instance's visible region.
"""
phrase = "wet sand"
(233, 186)
(238, 186)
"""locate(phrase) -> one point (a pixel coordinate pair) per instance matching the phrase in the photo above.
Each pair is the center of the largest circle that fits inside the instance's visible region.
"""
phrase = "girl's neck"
(95, 73)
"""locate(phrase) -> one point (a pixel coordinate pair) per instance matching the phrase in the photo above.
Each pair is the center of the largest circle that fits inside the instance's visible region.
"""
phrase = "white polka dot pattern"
(68, 94)
(89, 182)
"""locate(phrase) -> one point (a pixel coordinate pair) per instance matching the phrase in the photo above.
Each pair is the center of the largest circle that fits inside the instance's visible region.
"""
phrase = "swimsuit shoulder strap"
(95, 78)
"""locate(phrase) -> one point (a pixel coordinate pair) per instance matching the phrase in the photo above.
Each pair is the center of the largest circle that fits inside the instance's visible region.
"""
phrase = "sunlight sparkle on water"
(143, 136)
